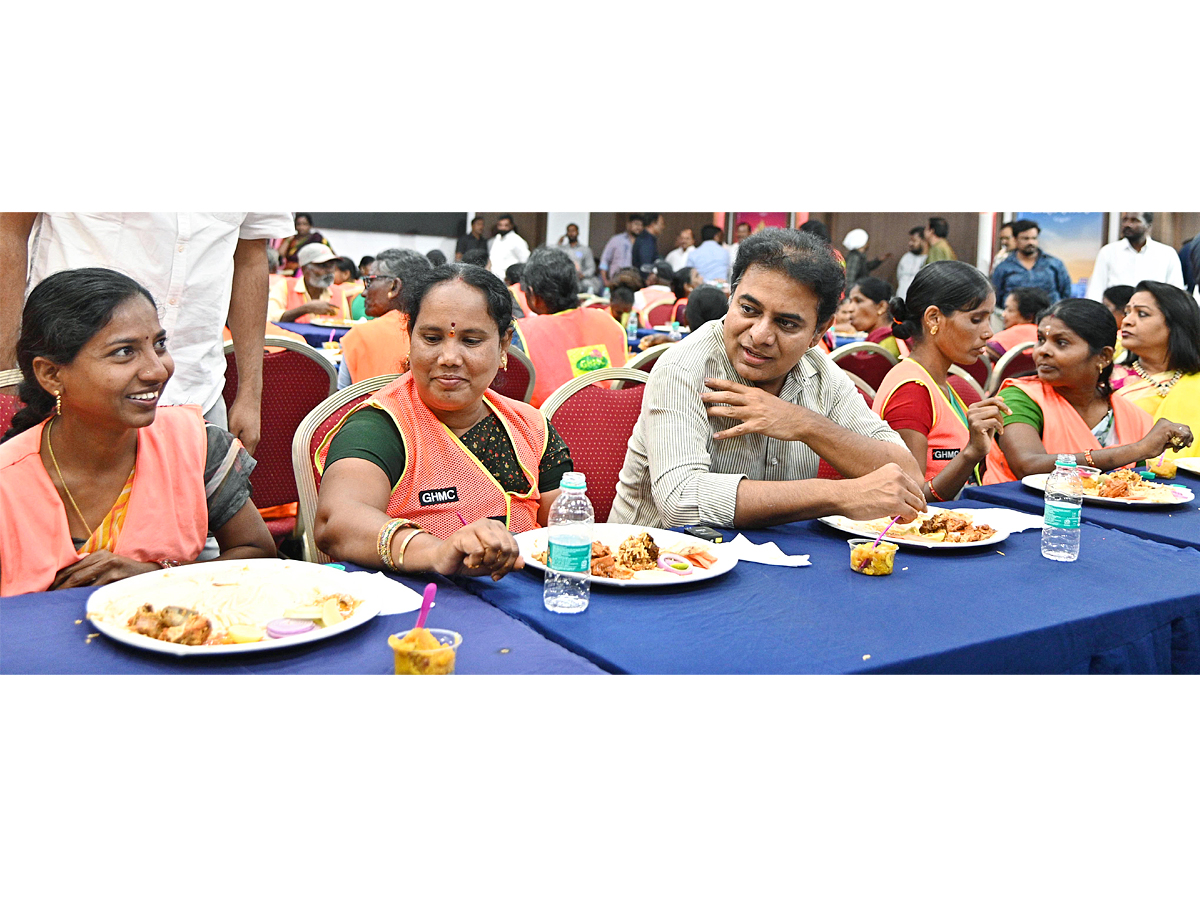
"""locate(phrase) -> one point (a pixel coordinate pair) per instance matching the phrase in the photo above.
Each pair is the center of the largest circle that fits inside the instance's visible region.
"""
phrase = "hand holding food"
(1166, 435)
(321, 308)
(985, 419)
(758, 411)
(888, 491)
(481, 548)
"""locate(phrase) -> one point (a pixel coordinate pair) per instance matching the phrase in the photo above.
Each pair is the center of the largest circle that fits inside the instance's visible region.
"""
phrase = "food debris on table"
(504, 650)
(866, 656)
(90, 636)
(999, 552)
(79, 621)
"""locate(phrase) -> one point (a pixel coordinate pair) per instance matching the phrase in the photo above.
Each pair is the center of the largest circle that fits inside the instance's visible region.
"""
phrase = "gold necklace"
(63, 481)
(1162, 387)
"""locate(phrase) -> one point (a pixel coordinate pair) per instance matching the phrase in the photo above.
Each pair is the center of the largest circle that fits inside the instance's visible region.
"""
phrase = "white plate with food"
(666, 329)
(1124, 487)
(1189, 464)
(628, 556)
(230, 606)
(936, 529)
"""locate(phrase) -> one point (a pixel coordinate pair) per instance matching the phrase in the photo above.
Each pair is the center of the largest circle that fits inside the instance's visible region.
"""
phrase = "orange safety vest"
(167, 516)
(300, 297)
(442, 478)
(1018, 334)
(378, 347)
(1063, 429)
(571, 343)
(948, 435)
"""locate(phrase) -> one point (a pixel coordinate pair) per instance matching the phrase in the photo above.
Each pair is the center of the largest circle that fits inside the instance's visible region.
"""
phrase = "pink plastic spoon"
(426, 602)
(885, 531)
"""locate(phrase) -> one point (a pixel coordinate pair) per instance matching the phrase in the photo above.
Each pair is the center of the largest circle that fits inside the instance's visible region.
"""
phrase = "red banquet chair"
(1016, 362)
(965, 385)
(309, 435)
(659, 313)
(868, 361)
(10, 403)
(980, 370)
(596, 424)
(295, 380)
(679, 313)
(645, 360)
(518, 379)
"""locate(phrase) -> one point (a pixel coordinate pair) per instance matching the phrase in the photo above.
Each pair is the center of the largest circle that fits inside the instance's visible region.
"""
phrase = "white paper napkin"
(1011, 520)
(393, 596)
(767, 554)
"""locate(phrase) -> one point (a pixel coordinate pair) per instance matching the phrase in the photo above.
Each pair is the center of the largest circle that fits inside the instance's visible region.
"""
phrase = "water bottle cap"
(1067, 463)
(574, 481)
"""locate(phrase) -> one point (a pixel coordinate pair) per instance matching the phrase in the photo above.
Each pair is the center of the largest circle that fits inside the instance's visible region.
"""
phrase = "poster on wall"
(1074, 237)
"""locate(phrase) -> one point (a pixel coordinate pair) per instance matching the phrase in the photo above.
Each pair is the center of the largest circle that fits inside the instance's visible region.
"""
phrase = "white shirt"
(1119, 263)
(185, 261)
(507, 250)
(678, 258)
(906, 270)
(733, 251)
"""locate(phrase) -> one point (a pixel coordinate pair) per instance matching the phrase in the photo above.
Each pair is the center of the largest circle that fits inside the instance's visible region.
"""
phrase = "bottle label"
(570, 557)
(1061, 515)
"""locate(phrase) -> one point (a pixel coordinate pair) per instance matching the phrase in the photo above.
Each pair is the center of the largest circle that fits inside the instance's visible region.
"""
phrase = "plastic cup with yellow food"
(867, 559)
(1087, 477)
(332, 345)
(425, 651)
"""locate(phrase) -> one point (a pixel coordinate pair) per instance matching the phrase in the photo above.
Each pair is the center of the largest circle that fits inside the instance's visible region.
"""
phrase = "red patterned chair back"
(1016, 362)
(868, 361)
(660, 313)
(309, 435)
(645, 360)
(678, 314)
(294, 382)
(596, 423)
(518, 379)
(980, 370)
(965, 385)
(10, 403)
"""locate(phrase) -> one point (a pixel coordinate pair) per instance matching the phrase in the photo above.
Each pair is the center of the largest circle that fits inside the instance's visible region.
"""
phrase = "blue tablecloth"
(1125, 605)
(316, 335)
(38, 635)
(1177, 525)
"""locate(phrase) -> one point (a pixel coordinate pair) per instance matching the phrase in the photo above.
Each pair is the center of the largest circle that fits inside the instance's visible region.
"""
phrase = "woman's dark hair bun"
(902, 329)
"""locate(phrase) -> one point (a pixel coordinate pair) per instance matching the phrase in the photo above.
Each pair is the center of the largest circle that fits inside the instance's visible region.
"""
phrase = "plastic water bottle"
(631, 325)
(675, 335)
(569, 561)
(1060, 522)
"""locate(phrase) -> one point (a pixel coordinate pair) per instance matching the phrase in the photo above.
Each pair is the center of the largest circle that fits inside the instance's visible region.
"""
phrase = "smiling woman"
(1069, 407)
(98, 483)
(435, 471)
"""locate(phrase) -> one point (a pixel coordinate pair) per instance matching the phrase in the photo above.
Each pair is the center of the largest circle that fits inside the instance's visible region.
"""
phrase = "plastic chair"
(318, 423)
(965, 385)
(295, 380)
(980, 370)
(596, 424)
(868, 361)
(1016, 362)
(645, 360)
(518, 379)
(10, 403)
(660, 312)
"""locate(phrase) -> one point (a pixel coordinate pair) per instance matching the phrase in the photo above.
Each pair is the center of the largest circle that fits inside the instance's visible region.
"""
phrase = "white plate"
(666, 329)
(1182, 494)
(612, 534)
(862, 529)
(294, 581)
(1189, 464)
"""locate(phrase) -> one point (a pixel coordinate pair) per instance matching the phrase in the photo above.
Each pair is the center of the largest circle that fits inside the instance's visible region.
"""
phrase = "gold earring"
(57, 403)
(504, 362)
(933, 330)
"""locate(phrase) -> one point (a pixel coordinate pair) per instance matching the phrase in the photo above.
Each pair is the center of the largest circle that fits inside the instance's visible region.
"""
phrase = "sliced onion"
(674, 563)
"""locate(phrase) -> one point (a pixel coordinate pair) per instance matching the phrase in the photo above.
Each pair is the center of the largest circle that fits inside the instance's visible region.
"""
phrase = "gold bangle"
(383, 545)
(416, 529)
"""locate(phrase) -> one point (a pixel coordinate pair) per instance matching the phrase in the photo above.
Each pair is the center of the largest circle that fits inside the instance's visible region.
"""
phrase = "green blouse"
(371, 434)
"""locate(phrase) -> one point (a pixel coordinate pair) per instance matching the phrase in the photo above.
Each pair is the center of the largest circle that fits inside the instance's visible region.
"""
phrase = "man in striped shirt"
(736, 417)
